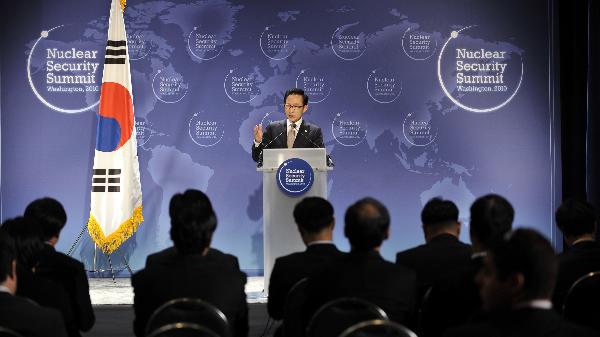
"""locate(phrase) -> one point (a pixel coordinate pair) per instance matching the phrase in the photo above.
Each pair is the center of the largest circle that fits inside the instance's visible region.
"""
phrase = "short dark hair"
(313, 214)
(50, 214)
(491, 216)
(27, 236)
(296, 91)
(438, 212)
(576, 217)
(366, 224)
(8, 254)
(527, 252)
(193, 221)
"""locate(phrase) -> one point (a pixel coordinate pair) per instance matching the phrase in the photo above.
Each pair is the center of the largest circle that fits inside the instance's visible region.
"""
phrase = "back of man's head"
(50, 214)
(193, 221)
(576, 217)
(491, 216)
(438, 214)
(27, 236)
(367, 223)
(313, 214)
(526, 252)
(7, 256)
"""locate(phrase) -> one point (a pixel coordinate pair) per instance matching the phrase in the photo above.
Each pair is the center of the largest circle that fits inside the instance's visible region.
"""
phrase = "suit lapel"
(281, 142)
(301, 141)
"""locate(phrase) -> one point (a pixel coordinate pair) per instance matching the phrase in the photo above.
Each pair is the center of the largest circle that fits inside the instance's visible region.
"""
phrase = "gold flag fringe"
(123, 2)
(114, 240)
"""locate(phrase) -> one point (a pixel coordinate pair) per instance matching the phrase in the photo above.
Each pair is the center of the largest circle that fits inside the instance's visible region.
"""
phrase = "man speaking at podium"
(293, 132)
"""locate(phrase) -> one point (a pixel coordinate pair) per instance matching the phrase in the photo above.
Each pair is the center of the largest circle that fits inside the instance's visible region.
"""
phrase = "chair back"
(424, 309)
(336, 316)
(183, 330)
(189, 310)
(293, 324)
(6, 332)
(581, 303)
(378, 328)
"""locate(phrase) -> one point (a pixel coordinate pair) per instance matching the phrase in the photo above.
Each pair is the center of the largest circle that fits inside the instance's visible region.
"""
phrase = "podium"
(280, 232)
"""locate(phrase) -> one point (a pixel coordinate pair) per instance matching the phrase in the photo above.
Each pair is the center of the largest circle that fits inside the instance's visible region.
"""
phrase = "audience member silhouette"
(18, 313)
(577, 220)
(491, 216)
(50, 215)
(28, 243)
(444, 264)
(167, 255)
(363, 273)
(190, 271)
(442, 254)
(516, 283)
(315, 220)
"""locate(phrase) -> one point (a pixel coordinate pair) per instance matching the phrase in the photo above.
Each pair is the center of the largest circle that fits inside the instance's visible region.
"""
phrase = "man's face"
(294, 107)
(495, 293)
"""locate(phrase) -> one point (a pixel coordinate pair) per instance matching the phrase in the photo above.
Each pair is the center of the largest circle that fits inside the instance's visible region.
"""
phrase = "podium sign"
(285, 182)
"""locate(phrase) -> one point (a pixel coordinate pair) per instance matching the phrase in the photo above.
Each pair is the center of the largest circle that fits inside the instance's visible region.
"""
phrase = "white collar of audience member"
(320, 242)
(534, 304)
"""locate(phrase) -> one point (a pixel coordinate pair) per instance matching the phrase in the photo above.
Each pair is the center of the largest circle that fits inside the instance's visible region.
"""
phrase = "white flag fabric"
(116, 203)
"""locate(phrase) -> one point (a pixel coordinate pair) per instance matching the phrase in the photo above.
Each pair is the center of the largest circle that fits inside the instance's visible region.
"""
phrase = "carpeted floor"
(117, 320)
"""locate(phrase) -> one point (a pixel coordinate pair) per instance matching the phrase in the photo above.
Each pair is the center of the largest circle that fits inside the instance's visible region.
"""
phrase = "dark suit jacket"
(441, 256)
(368, 276)
(522, 323)
(578, 260)
(46, 293)
(169, 255)
(29, 319)
(215, 278)
(292, 268)
(275, 137)
(445, 264)
(70, 274)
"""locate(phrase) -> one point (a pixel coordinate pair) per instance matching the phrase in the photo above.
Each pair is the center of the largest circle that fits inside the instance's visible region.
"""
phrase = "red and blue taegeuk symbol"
(115, 118)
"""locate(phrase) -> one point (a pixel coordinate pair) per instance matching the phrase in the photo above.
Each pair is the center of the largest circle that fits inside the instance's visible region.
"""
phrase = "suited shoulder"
(225, 257)
(161, 256)
(409, 253)
(69, 262)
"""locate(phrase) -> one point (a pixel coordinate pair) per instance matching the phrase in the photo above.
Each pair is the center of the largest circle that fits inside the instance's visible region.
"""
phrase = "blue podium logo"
(295, 177)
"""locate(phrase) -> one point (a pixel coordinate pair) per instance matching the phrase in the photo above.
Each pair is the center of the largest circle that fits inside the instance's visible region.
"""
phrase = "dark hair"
(313, 214)
(366, 224)
(50, 214)
(27, 236)
(438, 213)
(193, 221)
(576, 217)
(491, 216)
(296, 91)
(8, 254)
(527, 252)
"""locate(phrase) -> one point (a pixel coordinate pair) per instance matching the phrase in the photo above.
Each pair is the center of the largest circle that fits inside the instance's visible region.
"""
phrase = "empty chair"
(5, 332)
(183, 330)
(377, 328)
(292, 312)
(189, 310)
(581, 304)
(336, 316)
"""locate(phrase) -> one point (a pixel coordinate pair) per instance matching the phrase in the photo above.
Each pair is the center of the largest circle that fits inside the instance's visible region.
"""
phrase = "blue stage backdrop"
(416, 99)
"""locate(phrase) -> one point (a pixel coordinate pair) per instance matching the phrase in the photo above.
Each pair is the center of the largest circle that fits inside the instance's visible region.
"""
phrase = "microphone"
(327, 157)
(260, 161)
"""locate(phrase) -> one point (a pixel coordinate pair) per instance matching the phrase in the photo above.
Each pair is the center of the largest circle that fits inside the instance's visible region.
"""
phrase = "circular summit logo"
(479, 75)
(295, 177)
(64, 69)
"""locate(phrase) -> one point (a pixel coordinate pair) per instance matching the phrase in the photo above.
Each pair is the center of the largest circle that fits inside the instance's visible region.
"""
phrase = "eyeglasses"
(293, 107)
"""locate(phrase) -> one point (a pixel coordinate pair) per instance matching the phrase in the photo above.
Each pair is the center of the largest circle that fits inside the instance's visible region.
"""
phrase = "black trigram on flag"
(103, 182)
(115, 52)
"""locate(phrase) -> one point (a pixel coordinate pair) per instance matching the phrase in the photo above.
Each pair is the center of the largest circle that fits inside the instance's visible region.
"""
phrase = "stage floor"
(105, 291)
